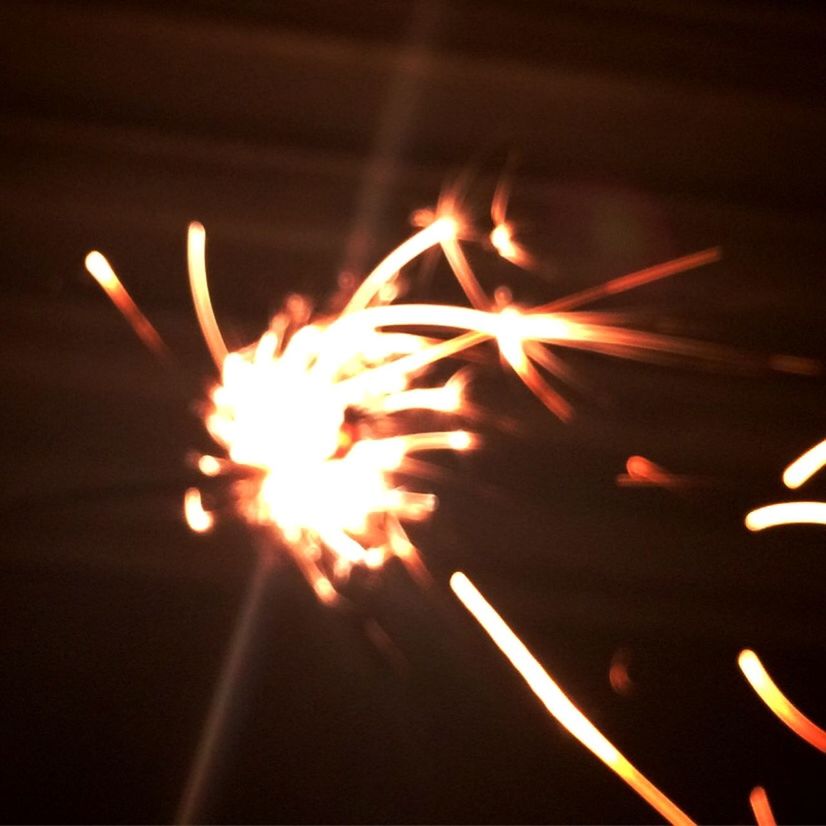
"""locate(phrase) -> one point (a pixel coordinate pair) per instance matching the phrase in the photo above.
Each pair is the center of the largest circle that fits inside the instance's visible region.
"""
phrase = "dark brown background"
(303, 134)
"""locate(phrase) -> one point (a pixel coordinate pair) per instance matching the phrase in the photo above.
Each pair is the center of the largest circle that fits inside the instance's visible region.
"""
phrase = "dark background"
(303, 134)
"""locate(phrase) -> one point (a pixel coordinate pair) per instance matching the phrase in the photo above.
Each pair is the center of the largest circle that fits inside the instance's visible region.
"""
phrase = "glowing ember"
(557, 702)
(759, 801)
(774, 698)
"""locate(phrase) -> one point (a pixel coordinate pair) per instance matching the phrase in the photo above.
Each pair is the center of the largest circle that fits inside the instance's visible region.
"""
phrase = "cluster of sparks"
(316, 422)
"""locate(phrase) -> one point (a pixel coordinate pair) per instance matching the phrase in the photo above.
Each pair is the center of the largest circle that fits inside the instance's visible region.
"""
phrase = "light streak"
(804, 467)
(786, 513)
(759, 801)
(101, 270)
(557, 702)
(779, 704)
(196, 263)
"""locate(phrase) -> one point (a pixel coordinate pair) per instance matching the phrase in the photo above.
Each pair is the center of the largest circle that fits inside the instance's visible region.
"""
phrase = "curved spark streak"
(557, 702)
(442, 229)
(774, 698)
(804, 467)
(759, 801)
(786, 513)
(196, 263)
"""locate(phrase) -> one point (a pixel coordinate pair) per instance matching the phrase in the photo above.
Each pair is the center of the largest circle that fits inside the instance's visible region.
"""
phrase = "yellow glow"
(557, 702)
(101, 270)
(805, 466)
(774, 698)
(786, 513)
(759, 801)
(198, 519)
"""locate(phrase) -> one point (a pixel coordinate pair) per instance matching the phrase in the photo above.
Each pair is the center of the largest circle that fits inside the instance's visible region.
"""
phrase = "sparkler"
(316, 420)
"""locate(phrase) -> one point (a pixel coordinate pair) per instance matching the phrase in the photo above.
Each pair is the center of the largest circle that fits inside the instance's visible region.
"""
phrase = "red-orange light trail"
(774, 698)
(759, 801)
(641, 472)
(557, 702)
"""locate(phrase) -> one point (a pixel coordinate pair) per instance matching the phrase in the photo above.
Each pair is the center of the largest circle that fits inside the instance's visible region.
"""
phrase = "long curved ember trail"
(557, 703)
(773, 697)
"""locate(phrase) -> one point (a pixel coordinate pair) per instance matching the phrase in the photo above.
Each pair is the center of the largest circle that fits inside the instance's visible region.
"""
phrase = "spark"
(804, 467)
(786, 513)
(774, 698)
(641, 472)
(759, 801)
(198, 519)
(557, 703)
(101, 270)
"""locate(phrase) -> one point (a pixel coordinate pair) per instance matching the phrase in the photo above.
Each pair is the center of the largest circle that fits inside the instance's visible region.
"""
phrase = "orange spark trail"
(786, 513)
(760, 806)
(557, 702)
(101, 270)
(774, 698)
(804, 467)
(631, 281)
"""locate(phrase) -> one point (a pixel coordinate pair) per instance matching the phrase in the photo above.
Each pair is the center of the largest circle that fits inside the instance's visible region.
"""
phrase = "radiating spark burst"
(759, 801)
(774, 698)
(557, 702)
(314, 416)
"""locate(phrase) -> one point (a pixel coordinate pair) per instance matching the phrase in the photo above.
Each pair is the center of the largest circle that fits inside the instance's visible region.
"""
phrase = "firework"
(318, 423)
(315, 419)
(759, 801)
